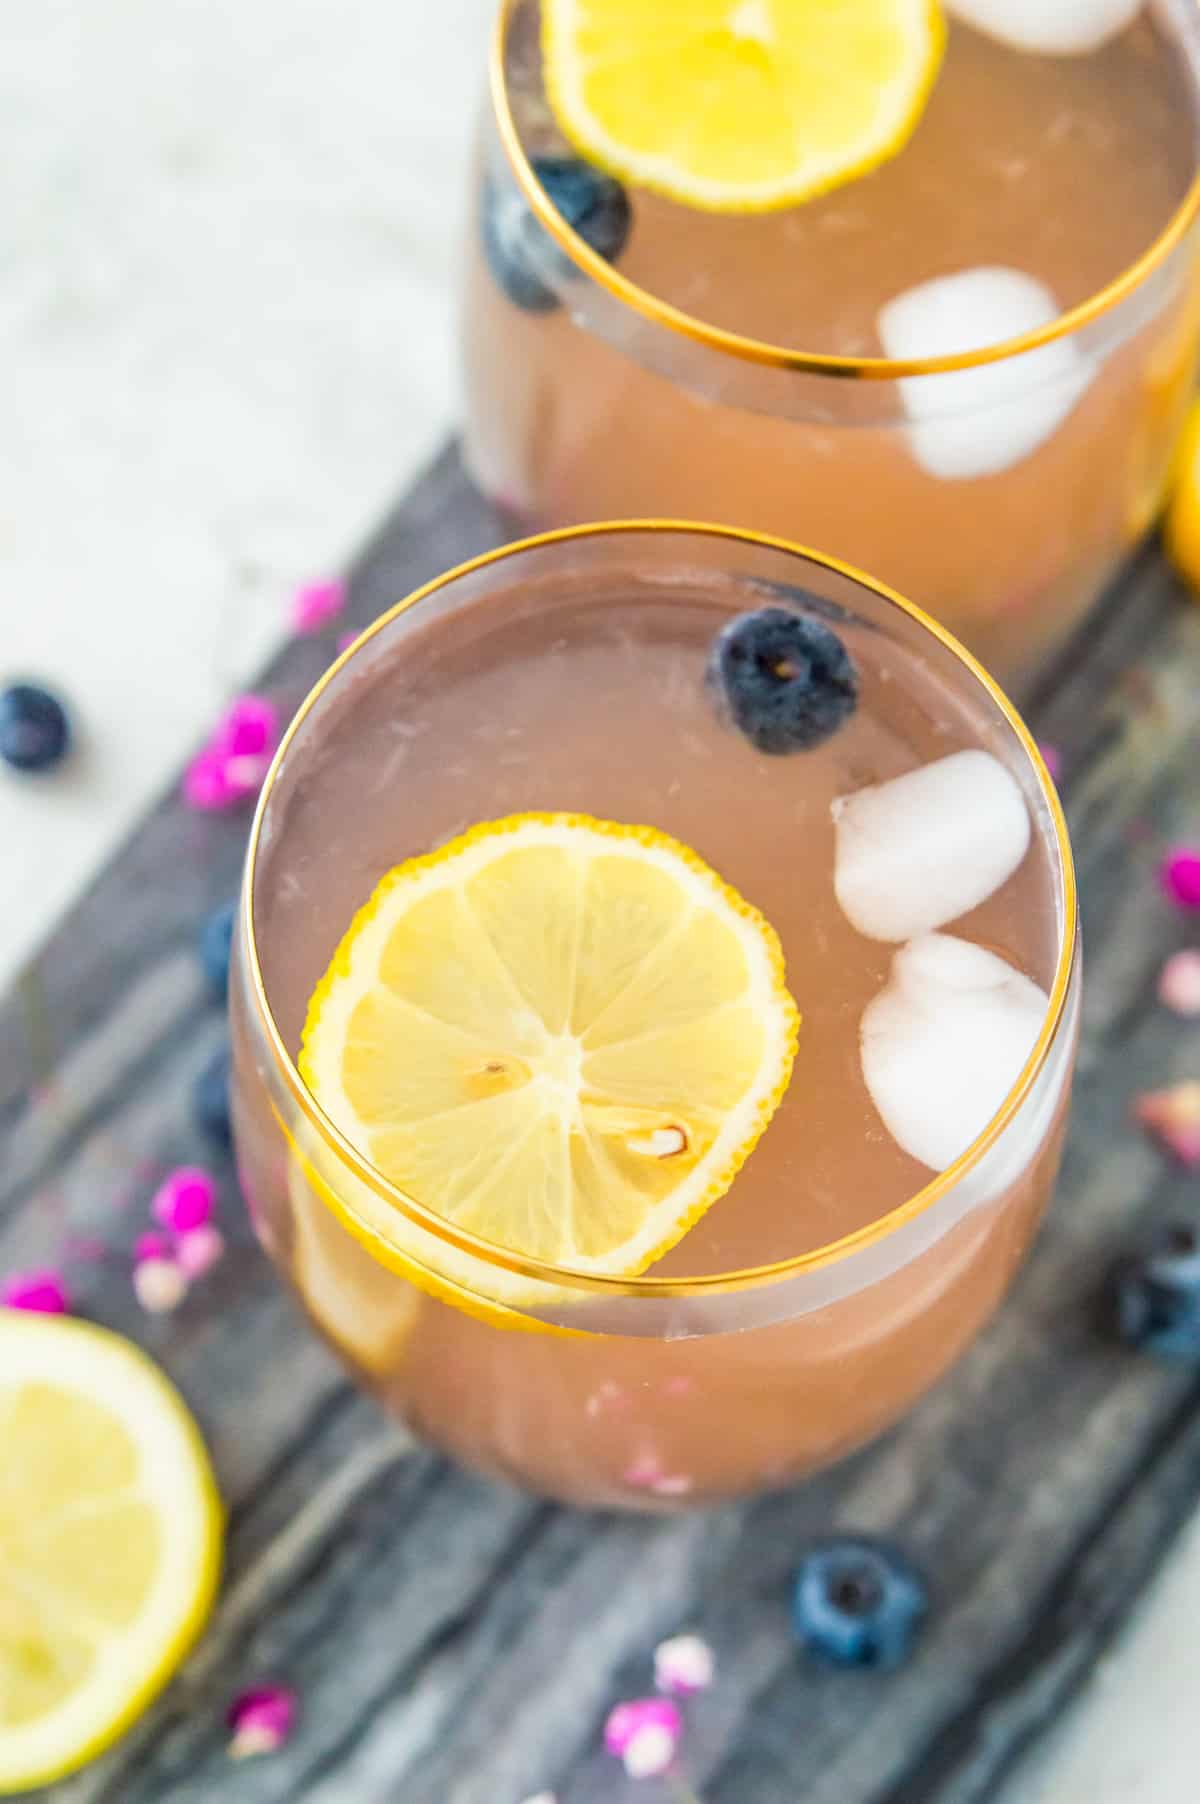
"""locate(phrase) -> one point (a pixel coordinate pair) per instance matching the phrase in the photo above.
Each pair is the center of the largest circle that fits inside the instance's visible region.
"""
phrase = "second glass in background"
(1005, 492)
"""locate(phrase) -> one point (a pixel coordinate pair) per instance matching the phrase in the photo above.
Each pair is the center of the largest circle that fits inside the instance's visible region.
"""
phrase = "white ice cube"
(944, 1043)
(1049, 27)
(924, 848)
(983, 420)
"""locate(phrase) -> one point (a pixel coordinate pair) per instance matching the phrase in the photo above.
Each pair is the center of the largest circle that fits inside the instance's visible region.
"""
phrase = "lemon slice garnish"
(110, 1541)
(365, 1309)
(562, 1035)
(740, 105)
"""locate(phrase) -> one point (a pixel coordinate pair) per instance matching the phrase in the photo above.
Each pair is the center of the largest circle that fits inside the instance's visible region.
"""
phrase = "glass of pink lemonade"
(963, 370)
(654, 1010)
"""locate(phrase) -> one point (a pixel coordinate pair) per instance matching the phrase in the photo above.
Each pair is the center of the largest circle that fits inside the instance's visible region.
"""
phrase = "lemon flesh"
(110, 1538)
(562, 1035)
(740, 105)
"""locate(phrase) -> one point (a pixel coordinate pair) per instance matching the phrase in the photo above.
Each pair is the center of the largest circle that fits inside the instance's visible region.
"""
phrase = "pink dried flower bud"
(206, 785)
(1052, 759)
(1173, 1116)
(185, 1199)
(1179, 983)
(197, 1251)
(151, 1246)
(644, 1734)
(683, 1665)
(1179, 875)
(244, 774)
(314, 605)
(42, 1293)
(159, 1286)
(249, 728)
(262, 1719)
(650, 1753)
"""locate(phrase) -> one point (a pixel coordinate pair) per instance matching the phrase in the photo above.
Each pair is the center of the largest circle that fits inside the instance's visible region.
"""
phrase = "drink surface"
(595, 700)
(1065, 167)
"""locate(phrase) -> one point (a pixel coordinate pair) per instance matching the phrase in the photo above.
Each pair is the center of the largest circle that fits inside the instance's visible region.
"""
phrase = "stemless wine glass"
(840, 1274)
(1002, 485)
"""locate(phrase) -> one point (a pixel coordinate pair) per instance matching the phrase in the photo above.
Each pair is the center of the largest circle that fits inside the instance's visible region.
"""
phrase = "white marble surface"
(226, 332)
(226, 336)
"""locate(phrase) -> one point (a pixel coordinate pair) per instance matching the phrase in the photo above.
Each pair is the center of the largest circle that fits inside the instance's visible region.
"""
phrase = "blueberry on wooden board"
(1156, 1295)
(215, 945)
(858, 1601)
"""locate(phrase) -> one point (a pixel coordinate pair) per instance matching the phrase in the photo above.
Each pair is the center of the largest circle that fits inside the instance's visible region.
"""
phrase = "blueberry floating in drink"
(520, 252)
(787, 682)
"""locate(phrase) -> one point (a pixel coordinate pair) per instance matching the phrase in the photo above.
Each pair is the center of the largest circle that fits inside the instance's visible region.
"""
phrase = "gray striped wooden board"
(453, 1643)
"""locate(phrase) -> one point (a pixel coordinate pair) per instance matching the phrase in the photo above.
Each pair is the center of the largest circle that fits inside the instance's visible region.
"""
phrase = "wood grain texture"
(454, 1643)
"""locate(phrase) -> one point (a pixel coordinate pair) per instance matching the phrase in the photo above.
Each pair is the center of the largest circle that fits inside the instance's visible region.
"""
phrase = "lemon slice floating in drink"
(110, 1540)
(740, 105)
(563, 1035)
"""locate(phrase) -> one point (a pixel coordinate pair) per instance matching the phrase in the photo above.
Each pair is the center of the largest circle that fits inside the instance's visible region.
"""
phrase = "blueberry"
(1156, 1295)
(786, 680)
(210, 1100)
(216, 941)
(858, 1602)
(520, 252)
(34, 730)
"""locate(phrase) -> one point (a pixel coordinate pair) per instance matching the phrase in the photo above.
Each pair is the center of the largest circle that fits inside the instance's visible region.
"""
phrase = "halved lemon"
(563, 1035)
(740, 105)
(110, 1540)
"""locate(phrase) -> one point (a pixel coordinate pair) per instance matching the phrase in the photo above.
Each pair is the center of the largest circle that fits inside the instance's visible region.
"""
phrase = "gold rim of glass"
(761, 351)
(565, 1277)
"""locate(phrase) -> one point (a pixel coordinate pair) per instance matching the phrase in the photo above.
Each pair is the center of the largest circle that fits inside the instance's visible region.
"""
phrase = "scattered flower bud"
(314, 605)
(1173, 1116)
(644, 1735)
(230, 766)
(159, 1286)
(1179, 983)
(1179, 875)
(262, 1719)
(185, 1199)
(683, 1665)
(1052, 759)
(199, 1249)
(40, 1292)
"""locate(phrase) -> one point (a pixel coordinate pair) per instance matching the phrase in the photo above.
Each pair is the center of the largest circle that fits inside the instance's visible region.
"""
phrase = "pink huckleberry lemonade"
(915, 282)
(654, 1010)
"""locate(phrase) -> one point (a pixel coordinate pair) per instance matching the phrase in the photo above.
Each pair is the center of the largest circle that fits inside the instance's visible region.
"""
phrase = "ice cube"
(981, 421)
(944, 1043)
(1050, 27)
(924, 848)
